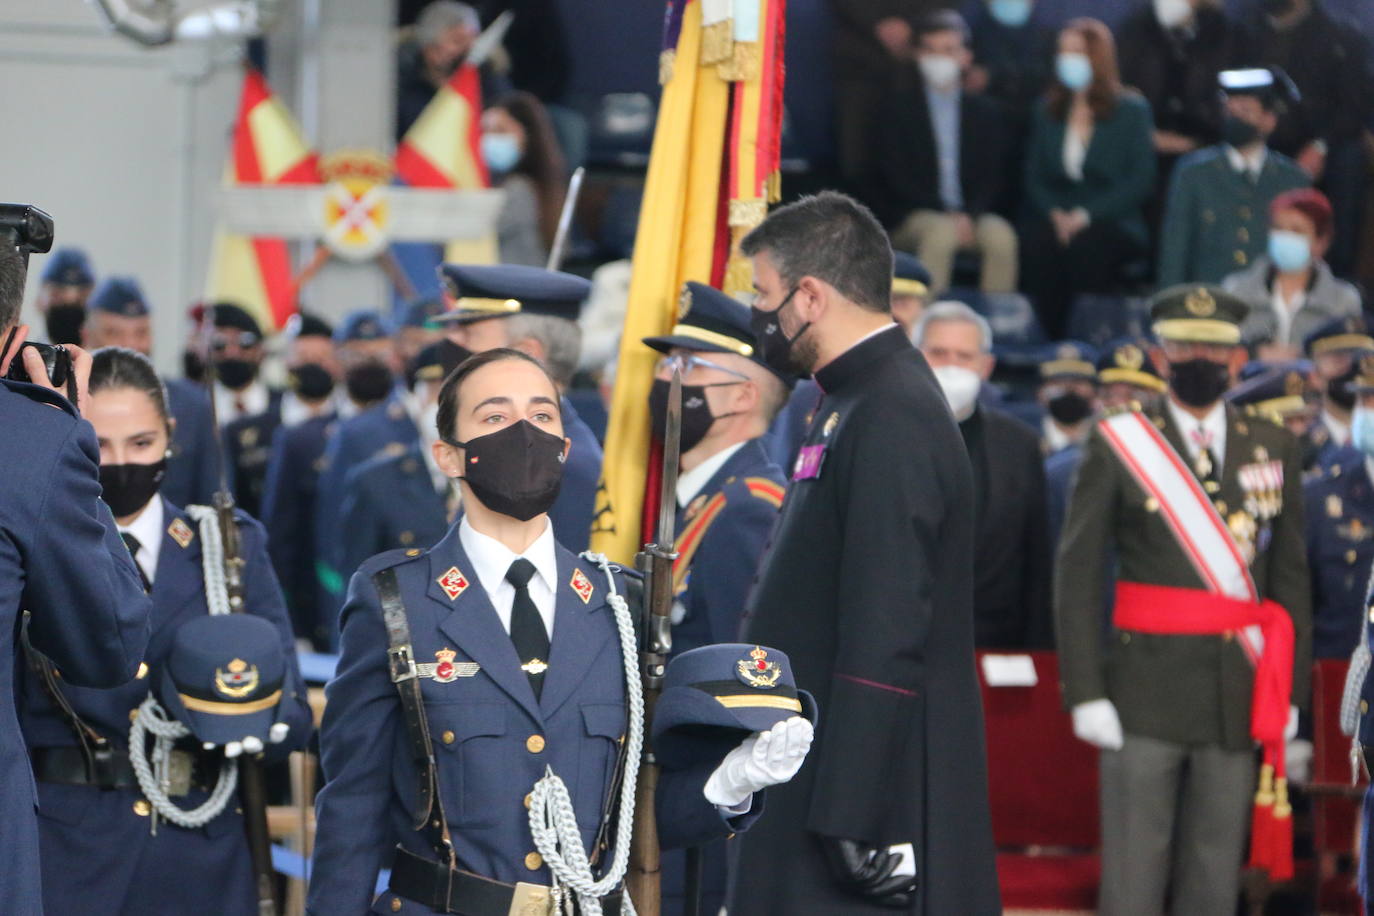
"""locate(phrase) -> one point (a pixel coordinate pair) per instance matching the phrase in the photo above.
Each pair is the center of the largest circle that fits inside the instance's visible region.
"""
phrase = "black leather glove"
(866, 871)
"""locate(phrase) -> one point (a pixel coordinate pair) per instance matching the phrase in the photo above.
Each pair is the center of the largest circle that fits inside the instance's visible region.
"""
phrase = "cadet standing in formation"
(66, 579)
(104, 832)
(1203, 510)
(1334, 349)
(728, 494)
(475, 672)
(868, 588)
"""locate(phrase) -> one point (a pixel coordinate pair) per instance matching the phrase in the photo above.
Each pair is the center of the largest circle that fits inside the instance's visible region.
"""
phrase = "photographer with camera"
(61, 557)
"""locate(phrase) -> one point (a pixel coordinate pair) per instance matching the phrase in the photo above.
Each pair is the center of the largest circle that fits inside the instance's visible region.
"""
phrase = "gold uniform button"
(1364, 706)
(133, 713)
(1241, 257)
(528, 799)
(396, 904)
(1243, 234)
(534, 861)
(1350, 556)
(142, 671)
(1228, 636)
(447, 737)
(534, 744)
(413, 552)
(1125, 639)
(1151, 504)
(142, 807)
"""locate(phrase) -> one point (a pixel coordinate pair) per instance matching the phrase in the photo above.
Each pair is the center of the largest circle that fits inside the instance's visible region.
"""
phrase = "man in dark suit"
(1011, 567)
(868, 587)
(61, 560)
(941, 158)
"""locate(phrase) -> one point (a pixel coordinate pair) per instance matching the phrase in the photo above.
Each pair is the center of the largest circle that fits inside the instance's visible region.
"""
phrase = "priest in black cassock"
(868, 587)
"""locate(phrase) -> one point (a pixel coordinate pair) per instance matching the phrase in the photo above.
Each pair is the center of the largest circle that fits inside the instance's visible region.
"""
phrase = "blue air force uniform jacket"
(62, 560)
(390, 502)
(97, 849)
(1339, 514)
(193, 469)
(572, 512)
(492, 739)
(248, 441)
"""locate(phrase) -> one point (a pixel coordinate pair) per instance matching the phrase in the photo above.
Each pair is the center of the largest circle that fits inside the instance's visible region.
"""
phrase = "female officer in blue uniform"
(104, 848)
(510, 651)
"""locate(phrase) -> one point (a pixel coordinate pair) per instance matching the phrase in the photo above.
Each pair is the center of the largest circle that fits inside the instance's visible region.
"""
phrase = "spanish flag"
(713, 170)
(268, 148)
(443, 149)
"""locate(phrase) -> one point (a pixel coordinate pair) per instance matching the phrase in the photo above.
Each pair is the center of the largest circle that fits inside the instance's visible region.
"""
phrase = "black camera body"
(56, 360)
(30, 230)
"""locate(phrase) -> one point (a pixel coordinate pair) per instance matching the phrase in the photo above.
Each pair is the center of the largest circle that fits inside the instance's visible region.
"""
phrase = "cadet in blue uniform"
(1278, 392)
(63, 291)
(98, 843)
(1335, 349)
(61, 561)
(402, 500)
(507, 648)
(248, 410)
(535, 311)
(728, 494)
(119, 317)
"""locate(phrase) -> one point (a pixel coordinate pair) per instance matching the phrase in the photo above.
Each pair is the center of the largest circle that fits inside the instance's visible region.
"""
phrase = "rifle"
(252, 789)
(655, 562)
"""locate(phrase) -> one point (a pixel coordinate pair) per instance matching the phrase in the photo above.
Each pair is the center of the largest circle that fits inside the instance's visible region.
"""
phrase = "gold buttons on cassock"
(447, 737)
(396, 904)
(142, 808)
(533, 861)
(534, 744)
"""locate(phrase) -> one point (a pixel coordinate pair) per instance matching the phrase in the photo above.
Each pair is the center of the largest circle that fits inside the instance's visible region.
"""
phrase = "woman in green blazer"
(1089, 171)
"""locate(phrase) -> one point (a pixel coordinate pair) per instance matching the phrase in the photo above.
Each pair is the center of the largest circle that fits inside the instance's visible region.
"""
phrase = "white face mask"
(1362, 429)
(960, 386)
(940, 70)
(1172, 13)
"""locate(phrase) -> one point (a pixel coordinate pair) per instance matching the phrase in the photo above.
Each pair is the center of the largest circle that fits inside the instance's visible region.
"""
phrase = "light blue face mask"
(1289, 251)
(1011, 13)
(1074, 70)
(501, 152)
(1362, 429)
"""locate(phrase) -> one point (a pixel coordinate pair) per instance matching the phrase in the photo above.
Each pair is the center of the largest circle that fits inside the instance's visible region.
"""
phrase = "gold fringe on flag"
(743, 63)
(717, 41)
(666, 59)
(743, 216)
(772, 188)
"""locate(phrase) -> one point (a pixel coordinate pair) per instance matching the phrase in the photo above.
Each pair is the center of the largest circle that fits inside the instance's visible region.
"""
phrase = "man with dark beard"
(868, 588)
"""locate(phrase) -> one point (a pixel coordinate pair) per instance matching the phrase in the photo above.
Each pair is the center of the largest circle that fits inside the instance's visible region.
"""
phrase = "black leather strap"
(433, 885)
(429, 810)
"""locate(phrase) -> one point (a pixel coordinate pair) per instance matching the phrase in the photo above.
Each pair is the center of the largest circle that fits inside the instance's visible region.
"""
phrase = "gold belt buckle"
(531, 900)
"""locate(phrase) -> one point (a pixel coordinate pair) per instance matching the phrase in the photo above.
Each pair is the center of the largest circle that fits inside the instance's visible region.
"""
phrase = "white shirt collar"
(1251, 165)
(1340, 431)
(689, 483)
(1055, 438)
(1214, 424)
(147, 530)
(256, 399)
(491, 559)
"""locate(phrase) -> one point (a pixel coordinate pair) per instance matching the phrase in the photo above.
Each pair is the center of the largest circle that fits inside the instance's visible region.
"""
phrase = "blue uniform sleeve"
(279, 507)
(727, 560)
(263, 596)
(356, 742)
(356, 533)
(686, 818)
(89, 611)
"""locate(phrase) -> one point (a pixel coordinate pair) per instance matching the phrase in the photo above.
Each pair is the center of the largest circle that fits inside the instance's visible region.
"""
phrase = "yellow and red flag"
(713, 170)
(443, 149)
(268, 148)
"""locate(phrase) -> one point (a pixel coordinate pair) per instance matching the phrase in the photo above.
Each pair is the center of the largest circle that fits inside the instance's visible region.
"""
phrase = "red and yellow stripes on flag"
(268, 148)
(684, 233)
(443, 149)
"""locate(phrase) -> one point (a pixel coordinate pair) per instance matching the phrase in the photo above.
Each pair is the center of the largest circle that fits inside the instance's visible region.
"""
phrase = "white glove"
(252, 744)
(1097, 723)
(763, 759)
(1290, 731)
(1298, 759)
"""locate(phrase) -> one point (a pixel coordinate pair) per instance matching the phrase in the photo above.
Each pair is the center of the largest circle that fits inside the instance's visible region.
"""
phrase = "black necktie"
(527, 627)
(132, 543)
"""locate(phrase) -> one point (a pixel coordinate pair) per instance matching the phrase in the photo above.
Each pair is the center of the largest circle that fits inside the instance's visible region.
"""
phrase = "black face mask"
(1070, 408)
(1199, 382)
(192, 366)
(236, 374)
(311, 381)
(1238, 133)
(696, 412)
(64, 323)
(775, 347)
(516, 471)
(126, 488)
(1339, 389)
(368, 382)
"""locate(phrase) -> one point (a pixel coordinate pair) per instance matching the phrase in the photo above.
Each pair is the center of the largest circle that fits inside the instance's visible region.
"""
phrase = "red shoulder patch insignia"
(181, 532)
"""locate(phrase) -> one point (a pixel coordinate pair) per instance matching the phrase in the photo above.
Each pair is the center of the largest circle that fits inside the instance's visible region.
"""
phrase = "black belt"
(431, 884)
(110, 768)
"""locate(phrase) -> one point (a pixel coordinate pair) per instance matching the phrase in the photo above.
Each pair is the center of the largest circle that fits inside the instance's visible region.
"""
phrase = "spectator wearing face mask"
(1089, 171)
(1011, 568)
(1216, 210)
(442, 37)
(1290, 288)
(941, 160)
(523, 156)
(1172, 51)
(65, 285)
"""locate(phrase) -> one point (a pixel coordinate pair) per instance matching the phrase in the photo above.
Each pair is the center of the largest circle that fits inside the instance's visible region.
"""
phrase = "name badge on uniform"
(809, 462)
